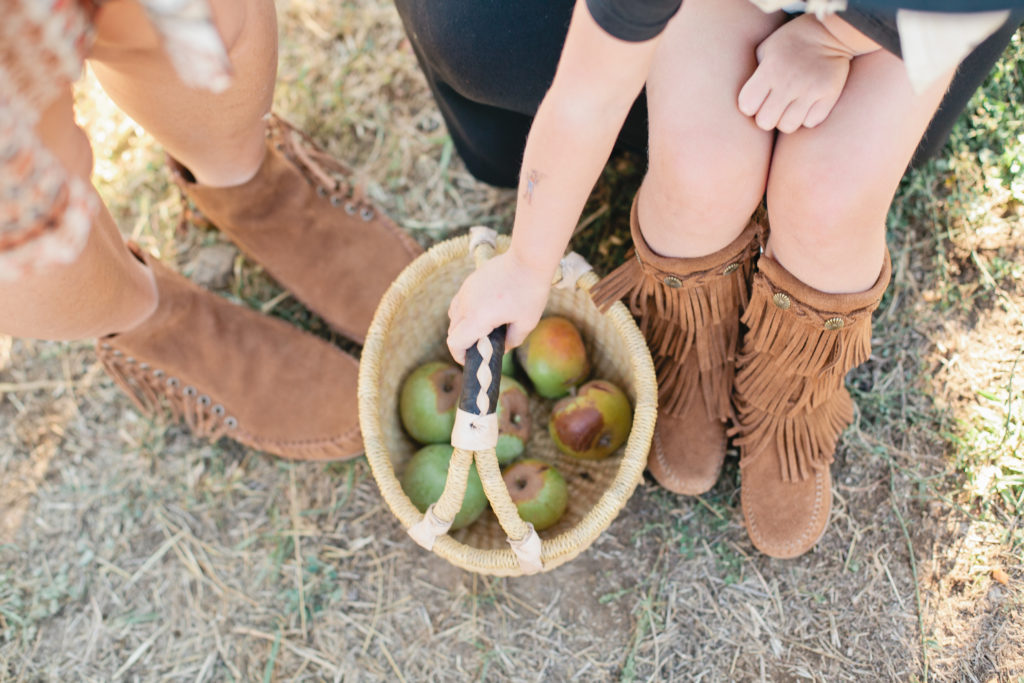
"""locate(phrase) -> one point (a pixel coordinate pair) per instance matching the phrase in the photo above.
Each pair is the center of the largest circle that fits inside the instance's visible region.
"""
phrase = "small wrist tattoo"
(532, 180)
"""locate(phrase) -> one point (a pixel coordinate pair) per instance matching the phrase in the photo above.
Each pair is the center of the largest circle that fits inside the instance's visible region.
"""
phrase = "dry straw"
(409, 329)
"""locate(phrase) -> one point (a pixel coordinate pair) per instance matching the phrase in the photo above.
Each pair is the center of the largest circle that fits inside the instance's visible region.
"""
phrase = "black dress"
(490, 62)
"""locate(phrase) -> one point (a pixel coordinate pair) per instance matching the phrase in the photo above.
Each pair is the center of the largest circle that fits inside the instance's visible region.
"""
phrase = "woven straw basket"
(409, 329)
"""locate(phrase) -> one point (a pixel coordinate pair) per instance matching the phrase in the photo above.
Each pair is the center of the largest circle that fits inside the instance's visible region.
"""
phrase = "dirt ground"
(131, 551)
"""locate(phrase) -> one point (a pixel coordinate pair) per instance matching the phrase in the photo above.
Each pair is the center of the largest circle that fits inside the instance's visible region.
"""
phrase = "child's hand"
(502, 290)
(802, 68)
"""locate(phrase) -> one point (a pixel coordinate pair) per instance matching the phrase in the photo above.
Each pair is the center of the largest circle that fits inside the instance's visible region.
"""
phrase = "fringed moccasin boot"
(225, 370)
(688, 310)
(791, 402)
(314, 231)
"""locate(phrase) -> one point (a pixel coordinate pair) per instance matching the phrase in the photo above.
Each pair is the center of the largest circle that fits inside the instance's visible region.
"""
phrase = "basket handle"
(476, 432)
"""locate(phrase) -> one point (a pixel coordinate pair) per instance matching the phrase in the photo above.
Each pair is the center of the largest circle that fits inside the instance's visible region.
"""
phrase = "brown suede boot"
(320, 237)
(791, 403)
(225, 370)
(688, 310)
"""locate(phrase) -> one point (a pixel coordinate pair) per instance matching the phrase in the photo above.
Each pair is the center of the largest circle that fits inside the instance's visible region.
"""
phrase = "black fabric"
(877, 24)
(633, 20)
(939, 5)
(489, 65)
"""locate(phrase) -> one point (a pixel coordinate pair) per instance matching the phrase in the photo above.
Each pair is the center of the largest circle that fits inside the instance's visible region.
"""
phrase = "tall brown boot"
(225, 370)
(320, 237)
(791, 402)
(688, 310)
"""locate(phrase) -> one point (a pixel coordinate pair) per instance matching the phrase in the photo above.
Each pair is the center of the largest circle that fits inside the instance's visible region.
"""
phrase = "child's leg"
(695, 245)
(708, 162)
(219, 137)
(809, 317)
(830, 187)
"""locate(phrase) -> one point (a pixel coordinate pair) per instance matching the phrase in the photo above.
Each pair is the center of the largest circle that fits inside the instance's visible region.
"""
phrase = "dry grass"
(133, 552)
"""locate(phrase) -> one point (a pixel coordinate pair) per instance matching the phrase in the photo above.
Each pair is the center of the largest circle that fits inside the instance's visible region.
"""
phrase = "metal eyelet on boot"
(173, 382)
(231, 423)
(204, 400)
(350, 208)
(320, 192)
(190, 391)
(158, 373)
(335, 200)
(218, 410)
(673, 282)
(366, 214)
(105, 346)
(143, 366)
(118, 353)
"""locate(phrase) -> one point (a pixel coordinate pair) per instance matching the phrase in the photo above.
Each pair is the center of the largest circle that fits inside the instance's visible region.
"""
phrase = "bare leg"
(708, 162)
(105, 290)
(219, 137)
(830, 187)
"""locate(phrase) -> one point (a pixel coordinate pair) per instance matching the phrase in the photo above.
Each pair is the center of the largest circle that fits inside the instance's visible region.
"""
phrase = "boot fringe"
(805, 443)
(155, 394)
(789, 388)
(697, 317)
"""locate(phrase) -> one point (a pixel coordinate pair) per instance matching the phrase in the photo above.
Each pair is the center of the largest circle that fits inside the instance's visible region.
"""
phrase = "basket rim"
(570, 542)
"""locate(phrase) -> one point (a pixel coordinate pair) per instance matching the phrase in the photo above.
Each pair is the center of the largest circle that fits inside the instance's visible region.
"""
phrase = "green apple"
(593, 423)
(513, 420)
(427, 403)
(424, 478)
(538, 490)
(507, 365)
(554, 357)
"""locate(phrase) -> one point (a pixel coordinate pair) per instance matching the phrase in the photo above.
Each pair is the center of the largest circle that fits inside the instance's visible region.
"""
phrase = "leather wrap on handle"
(476, 420)
(476, 398)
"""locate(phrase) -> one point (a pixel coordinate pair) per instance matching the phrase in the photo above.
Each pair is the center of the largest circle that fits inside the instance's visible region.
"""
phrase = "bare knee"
(824, 212)
(709, 184)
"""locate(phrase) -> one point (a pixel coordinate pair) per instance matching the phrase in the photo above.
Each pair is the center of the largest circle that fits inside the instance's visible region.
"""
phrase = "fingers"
(456, 344)
(793, 117)
(818, 112)
(771, 111)
(466, 332)
(753, 93)
(516, 335)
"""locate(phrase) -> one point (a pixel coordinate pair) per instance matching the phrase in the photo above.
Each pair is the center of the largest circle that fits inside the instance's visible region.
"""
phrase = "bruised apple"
(427, 403)
(593, 423)
(424, 478)
(553, 357)
(538, 490)
(513, 420)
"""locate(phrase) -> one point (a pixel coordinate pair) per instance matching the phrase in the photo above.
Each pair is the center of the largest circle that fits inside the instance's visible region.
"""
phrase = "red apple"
(554, 357)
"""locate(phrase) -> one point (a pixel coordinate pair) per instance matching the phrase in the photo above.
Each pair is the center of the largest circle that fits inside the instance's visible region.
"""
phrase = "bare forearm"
(565, 152)
(597, 80)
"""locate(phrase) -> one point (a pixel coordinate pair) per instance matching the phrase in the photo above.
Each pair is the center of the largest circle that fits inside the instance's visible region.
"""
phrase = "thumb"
(516, 335)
